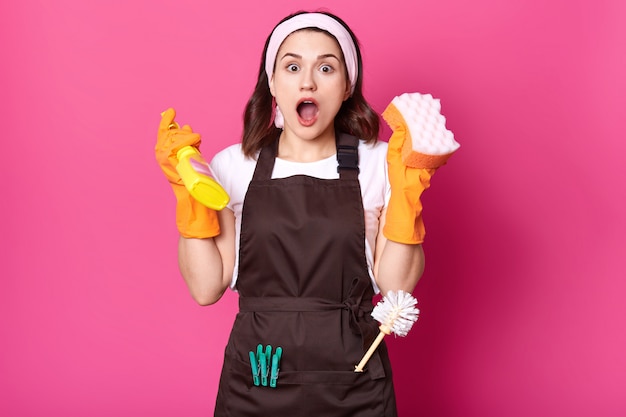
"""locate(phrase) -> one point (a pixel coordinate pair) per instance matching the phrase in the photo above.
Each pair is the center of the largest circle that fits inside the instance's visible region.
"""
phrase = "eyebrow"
(291, 54)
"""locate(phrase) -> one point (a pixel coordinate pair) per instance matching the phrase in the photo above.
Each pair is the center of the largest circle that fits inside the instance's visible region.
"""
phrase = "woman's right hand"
(193, 219)
(170, 139)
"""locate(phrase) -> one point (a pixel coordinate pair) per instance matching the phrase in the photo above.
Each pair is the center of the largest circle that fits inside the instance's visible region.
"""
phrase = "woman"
(303, 239)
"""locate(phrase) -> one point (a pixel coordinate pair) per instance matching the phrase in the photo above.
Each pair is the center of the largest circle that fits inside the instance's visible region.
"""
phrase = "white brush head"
(397, 311)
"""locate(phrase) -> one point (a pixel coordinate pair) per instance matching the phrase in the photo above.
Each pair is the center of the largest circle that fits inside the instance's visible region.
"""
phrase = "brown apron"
(303, 285)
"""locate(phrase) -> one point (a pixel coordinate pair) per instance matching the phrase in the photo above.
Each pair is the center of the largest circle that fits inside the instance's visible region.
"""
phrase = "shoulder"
(372, 154)
(378, 147)
(231, 157)
(230, 164)
(231, 153)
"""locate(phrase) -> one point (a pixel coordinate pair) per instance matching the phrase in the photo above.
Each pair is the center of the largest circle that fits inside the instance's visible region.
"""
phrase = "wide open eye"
(326, 68)
(293, 68)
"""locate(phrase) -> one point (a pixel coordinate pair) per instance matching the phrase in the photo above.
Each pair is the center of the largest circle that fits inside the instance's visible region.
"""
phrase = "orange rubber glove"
(193, 219)
(404, 223)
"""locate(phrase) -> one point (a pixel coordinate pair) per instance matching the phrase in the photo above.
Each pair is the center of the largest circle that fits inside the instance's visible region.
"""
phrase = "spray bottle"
(198, 177)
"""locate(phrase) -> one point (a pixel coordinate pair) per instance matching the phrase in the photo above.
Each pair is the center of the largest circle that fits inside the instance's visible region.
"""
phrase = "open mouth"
(307, 112)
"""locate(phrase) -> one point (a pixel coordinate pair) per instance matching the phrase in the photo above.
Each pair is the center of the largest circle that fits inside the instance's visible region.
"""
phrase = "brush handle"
(370, 351)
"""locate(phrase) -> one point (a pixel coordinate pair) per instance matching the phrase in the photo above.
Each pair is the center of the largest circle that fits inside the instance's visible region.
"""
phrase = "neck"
(295, 149)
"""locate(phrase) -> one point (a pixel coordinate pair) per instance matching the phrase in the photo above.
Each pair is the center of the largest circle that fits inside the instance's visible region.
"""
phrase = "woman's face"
(309, 83)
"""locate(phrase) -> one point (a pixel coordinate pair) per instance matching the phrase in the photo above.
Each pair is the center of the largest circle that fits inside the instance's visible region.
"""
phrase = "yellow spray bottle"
(198, 178)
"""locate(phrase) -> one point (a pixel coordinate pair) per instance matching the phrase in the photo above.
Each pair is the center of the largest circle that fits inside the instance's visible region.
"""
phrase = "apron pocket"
(305, 393)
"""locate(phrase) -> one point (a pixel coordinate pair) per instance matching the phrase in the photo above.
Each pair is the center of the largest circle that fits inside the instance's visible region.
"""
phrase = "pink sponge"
(428, 144)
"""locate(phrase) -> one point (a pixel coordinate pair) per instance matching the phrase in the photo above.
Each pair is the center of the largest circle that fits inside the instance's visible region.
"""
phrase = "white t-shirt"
(234, 172)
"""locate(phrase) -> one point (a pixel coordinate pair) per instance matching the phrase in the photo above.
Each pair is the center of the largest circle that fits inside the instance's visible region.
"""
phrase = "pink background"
(522, 300)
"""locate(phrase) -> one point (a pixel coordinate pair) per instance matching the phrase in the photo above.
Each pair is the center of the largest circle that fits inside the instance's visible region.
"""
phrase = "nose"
(307, 82)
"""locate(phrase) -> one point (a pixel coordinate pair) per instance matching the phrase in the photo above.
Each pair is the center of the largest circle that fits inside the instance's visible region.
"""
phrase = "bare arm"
(397, 266)
(207, 264)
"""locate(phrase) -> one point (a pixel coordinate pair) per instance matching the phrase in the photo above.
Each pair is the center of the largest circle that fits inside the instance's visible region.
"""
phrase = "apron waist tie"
(287, 304)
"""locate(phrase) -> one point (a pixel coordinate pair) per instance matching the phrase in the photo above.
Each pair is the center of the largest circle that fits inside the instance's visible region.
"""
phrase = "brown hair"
(355, 117)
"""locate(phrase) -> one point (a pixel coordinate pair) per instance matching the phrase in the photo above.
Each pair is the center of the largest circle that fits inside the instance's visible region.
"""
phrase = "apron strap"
(347, 156)
(265, 163)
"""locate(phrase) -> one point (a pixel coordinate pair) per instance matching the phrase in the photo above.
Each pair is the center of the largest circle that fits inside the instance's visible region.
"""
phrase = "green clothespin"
(268, 354)
(275, 366)
(263, 363)
(259, 352)
(268, 364)
(255, 369)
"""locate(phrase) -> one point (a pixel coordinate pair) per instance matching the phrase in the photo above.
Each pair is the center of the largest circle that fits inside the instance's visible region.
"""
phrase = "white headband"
(312, 20)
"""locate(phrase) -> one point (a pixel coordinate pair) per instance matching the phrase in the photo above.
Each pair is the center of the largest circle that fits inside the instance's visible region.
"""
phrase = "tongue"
(307, 111)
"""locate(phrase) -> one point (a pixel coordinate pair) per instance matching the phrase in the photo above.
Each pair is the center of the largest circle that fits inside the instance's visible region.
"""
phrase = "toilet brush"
(396, 313)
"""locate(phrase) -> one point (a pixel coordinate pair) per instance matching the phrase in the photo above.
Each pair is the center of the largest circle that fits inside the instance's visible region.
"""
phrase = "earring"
(279, 120)
(277, 117)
